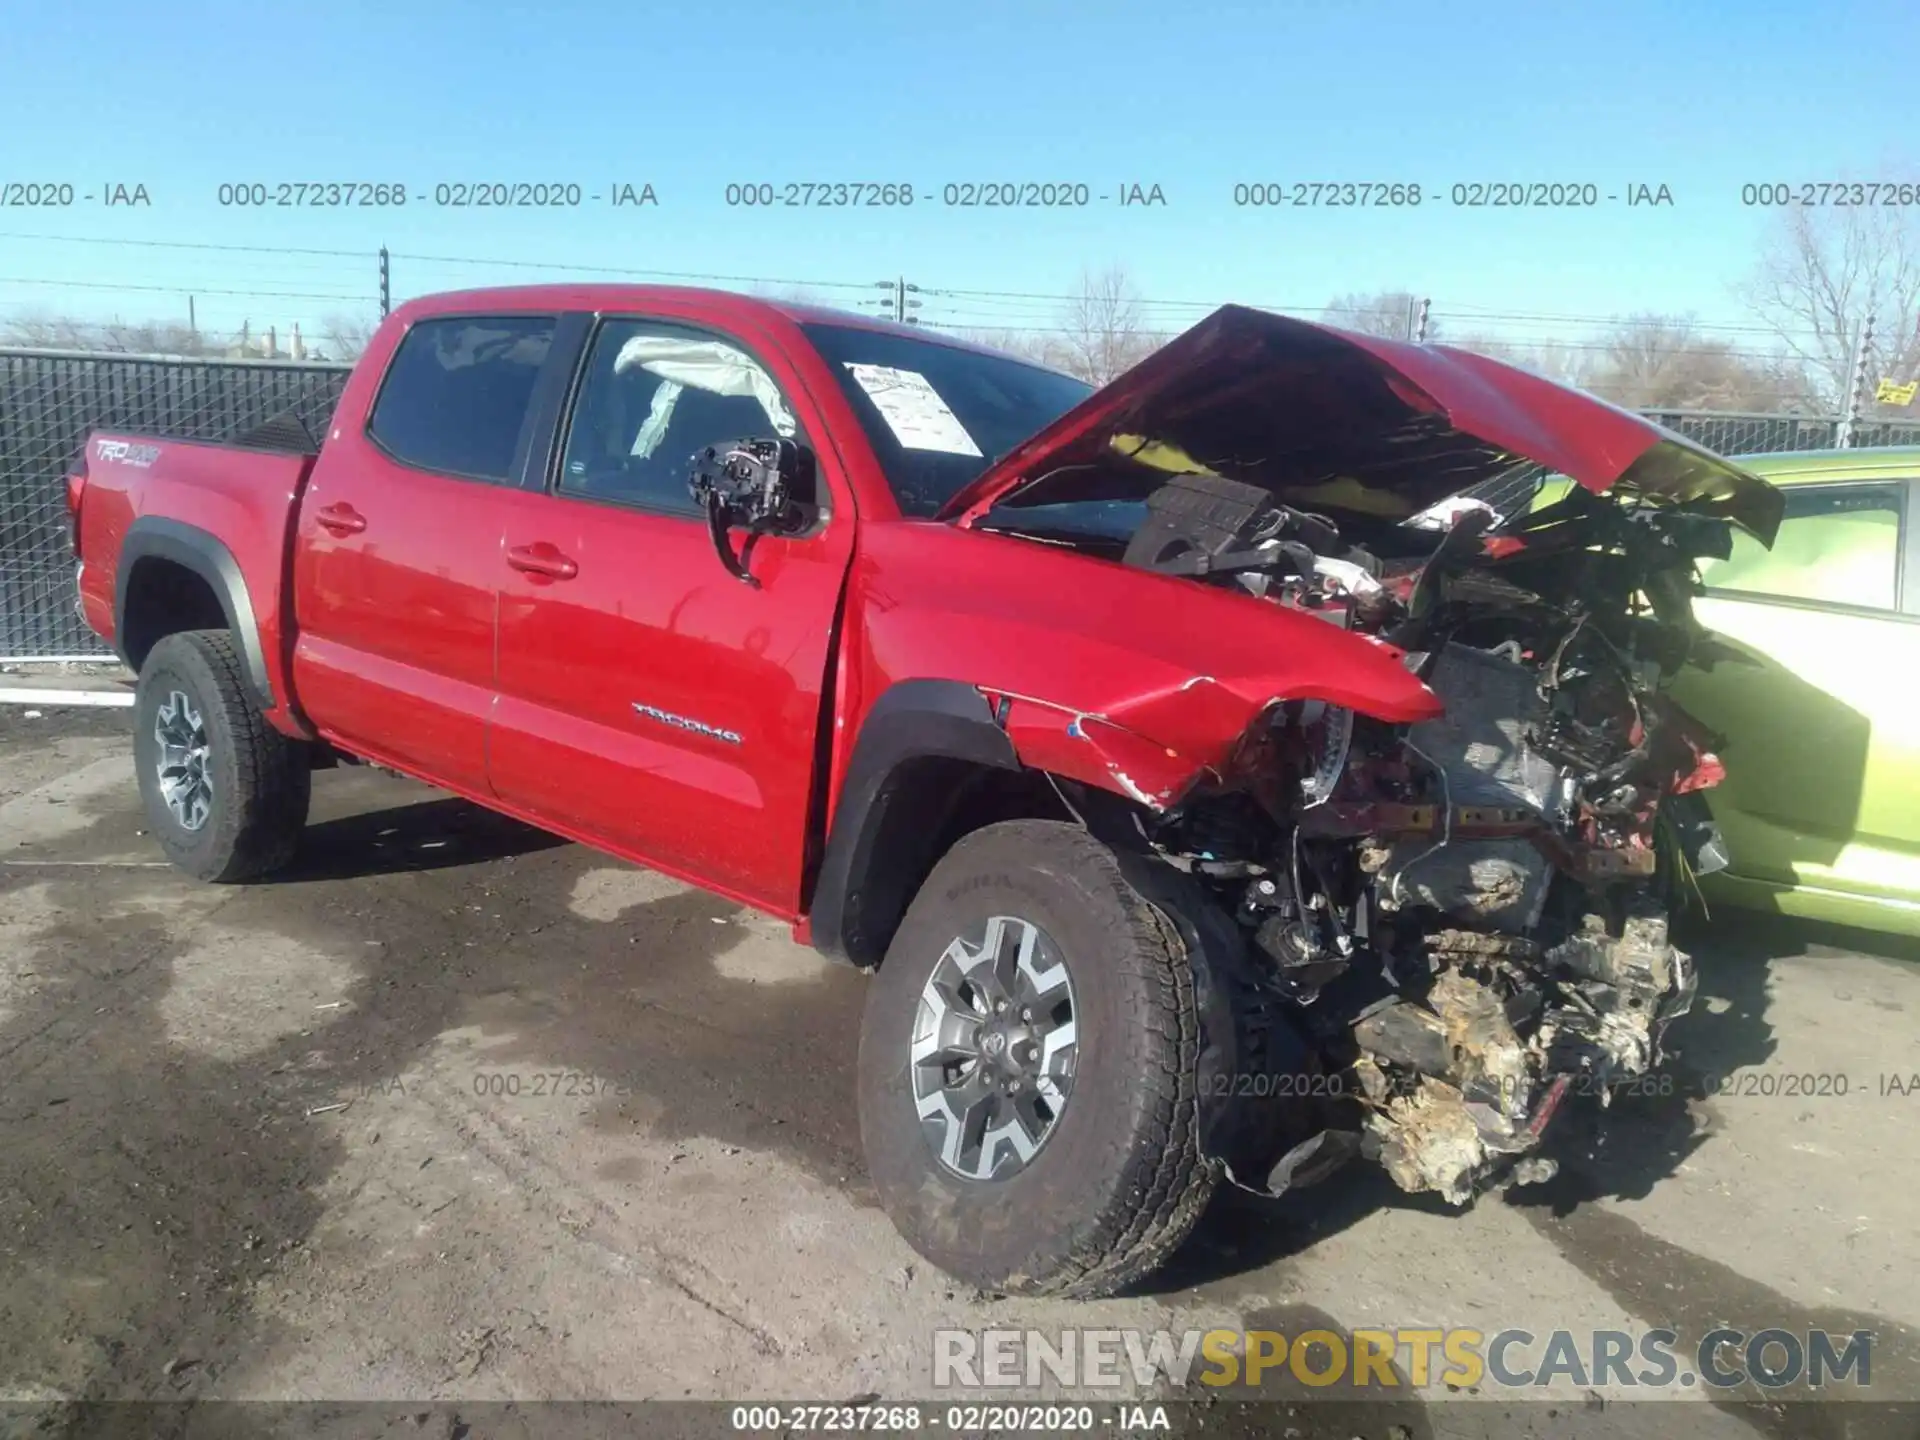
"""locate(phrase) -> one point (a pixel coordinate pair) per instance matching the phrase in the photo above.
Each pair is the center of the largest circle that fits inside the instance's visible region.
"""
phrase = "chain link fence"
(49, 400)
(1740, 433)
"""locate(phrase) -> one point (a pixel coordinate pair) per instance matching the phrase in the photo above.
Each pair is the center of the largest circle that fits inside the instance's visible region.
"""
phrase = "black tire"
(1120, 1180)
(261, 780)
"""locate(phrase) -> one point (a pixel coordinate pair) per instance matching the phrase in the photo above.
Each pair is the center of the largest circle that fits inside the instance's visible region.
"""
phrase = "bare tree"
(1388, 313)
(46, 332)
(64, 332)
(1662, 361)
(343, 337)
(1555, 359)
(1034, 345)
(122, 337)
(793, 295)
(1822, 272)
(1103, 328)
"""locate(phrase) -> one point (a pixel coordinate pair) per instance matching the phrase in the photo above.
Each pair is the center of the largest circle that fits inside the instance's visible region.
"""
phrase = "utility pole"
(192, 327)
(896, 305)
(1418, 308)
(1856, 386)
(386, 291)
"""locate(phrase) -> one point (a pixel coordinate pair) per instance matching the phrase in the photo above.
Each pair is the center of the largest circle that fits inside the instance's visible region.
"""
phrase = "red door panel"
(395, 653)
(653, 702)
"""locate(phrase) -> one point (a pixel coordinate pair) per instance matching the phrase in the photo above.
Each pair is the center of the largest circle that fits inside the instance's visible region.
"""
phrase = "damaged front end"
(1455, 900)
(1461, 916)
(1464, 1079)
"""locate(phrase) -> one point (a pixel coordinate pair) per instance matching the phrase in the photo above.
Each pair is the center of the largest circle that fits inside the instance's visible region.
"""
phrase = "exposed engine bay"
(1464, 917)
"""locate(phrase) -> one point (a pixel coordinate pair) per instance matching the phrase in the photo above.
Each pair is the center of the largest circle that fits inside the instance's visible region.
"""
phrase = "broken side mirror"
(765, 485)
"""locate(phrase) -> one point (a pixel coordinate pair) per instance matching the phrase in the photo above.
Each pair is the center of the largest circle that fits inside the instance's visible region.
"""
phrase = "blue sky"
(1193, 97)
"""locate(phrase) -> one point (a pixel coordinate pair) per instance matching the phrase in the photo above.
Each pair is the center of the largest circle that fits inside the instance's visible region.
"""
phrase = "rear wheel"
(225, 793)
(1028, 1064)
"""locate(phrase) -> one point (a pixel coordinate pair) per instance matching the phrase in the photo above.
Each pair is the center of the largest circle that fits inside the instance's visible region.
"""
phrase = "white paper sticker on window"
(913, 410)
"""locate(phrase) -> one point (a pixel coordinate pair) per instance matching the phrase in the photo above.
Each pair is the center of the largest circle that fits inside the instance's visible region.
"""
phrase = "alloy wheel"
(994, 1049)
(184, 767)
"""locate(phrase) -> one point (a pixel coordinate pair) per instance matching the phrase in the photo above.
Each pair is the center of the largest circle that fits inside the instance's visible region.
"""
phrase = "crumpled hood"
(1337, 422)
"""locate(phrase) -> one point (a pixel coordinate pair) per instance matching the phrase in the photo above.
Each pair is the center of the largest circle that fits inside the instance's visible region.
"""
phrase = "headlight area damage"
(1451, 893)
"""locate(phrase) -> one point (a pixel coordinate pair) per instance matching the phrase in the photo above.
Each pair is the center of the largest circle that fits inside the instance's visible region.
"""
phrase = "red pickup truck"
(1226, 773)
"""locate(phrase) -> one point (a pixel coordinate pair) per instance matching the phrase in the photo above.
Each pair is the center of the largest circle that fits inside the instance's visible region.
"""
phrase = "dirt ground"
(458, 1112)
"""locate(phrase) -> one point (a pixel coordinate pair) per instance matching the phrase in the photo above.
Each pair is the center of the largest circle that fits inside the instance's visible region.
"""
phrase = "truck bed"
(148, 505)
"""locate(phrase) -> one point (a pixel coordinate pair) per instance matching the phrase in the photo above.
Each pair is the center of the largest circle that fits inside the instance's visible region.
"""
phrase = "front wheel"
(1028, 1069)
(225, 793)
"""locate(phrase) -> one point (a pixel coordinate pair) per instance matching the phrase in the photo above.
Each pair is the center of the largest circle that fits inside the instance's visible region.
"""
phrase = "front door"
(648, 700)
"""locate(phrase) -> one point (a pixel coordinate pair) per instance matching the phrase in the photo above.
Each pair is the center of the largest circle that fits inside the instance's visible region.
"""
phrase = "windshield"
(937, 415)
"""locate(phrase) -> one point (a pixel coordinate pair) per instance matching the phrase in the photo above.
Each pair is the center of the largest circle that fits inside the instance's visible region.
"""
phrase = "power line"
(1074, 299)
(371, 252)
(183, 289)
(981, 310)
(189, 245)
(1477, 312)
(982, 299)
(1009, 303)
(1525, 318)
(621, 270)
(206, 317)
(1700, 347)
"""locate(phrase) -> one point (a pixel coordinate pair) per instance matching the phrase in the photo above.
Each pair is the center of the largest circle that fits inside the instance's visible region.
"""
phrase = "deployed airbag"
(709, 365)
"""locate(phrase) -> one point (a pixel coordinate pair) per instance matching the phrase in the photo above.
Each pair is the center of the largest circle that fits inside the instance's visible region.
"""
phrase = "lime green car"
(1821, 702)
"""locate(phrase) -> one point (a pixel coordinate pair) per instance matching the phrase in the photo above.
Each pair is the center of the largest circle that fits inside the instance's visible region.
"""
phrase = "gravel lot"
(458, 1112)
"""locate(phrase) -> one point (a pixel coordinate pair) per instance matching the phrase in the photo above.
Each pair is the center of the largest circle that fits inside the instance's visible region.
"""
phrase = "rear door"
(398, 558)
(648, 700)
(1819, 704)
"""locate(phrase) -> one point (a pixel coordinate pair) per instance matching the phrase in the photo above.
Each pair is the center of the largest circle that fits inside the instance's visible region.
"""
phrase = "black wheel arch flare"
(207, 556)
(865, 877)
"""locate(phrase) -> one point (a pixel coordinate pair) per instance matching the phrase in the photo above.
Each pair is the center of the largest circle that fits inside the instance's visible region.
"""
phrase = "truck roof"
(721, 305)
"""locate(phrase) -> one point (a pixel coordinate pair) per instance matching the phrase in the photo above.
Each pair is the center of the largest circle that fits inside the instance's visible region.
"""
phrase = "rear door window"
(457, 393)
(1838, 545)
